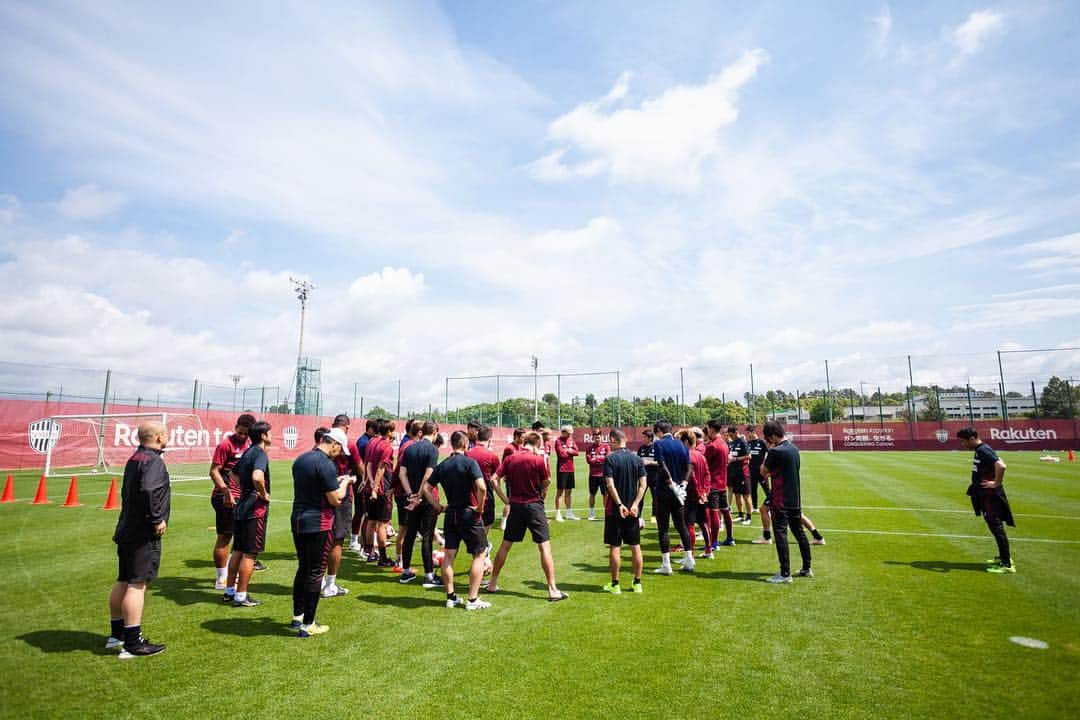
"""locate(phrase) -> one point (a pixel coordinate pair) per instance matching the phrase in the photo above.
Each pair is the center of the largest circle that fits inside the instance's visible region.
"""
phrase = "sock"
(116, 628)
(382, 553)
(816, 534)
(693, 538)
(221, 574)
(665, 559)
(451, 596)
(690, 556)
(767, 534)
(472, 600)
(241, 596)
(331, 580)
(615, 581)
(231, 590)
(356, 538)
(132, 635)
(637, 581)
(727, 522)
(429, 576)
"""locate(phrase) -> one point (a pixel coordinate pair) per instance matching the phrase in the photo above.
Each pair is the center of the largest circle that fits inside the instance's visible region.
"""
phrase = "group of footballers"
(694, 476)
(342, 487)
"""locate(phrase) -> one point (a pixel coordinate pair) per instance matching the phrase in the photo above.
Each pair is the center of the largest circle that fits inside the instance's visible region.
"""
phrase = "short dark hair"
(474, 425)
(716, 425)
(750, 428)
(459, 440)
(967, 433)
(386, 426)
(320, 433)
(438, 441)
(518, 432)
(416, 426)
(258, 431)
(647, 433)
(340, 420)
(428, 428)
(372, 425)
(773, 429)
(618, 436)
(662, 426)
(483, 434)
(245, 421)
(538, 425)
(733, 430)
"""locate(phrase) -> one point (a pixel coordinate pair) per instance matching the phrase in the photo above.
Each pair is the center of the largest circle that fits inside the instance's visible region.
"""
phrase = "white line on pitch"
(1012, 538)
(930, 510)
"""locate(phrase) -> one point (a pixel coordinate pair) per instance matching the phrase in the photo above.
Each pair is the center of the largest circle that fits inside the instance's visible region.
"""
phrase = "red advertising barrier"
(25, 434)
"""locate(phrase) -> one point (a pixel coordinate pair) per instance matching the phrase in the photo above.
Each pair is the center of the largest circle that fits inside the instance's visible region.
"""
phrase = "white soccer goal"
(811, 441)
(102, 443)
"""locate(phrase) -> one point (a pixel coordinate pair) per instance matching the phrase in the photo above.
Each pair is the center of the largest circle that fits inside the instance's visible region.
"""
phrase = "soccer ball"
(437, 557)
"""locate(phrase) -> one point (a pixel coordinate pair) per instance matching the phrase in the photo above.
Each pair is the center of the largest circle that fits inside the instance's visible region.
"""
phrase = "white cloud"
(1056, 255)
(664, 140)
(89, 202)
(388, 287)
(882, 23)
(883, 331)
(979, 27)
(9, 209)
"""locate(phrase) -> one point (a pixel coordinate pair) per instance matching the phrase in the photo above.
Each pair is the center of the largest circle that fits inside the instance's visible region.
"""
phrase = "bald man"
(144, 515)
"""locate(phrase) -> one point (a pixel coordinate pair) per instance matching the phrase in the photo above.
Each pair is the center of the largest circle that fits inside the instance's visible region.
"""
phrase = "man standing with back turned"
(987, 494)
(144, 515)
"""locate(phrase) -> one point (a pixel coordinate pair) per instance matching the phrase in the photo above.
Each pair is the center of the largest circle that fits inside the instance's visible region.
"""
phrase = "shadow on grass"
(60, 641)
(564, 586)
(941, 566)
(248, 626)
(191, 591)
(603, 569)
(193, 563)
(732, 575)
(403, 602)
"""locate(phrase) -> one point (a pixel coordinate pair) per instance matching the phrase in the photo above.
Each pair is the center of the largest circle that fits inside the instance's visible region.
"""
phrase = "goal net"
(811, 441)
(95, 444)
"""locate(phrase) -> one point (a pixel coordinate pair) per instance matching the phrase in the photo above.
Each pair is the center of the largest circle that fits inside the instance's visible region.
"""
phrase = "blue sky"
(642, 187)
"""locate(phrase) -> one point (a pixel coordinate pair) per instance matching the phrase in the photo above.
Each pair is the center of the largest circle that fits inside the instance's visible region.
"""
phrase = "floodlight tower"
(235, 385)
(302, 288)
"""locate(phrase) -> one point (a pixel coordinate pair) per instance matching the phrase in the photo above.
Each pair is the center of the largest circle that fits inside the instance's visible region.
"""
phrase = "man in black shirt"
(463, 484)
(418, 463)
(647, 453)
(251, 510)
(625, 476)
(317, 490)
(737, 475)
(144, 515)
(782, 468)
(988, 497)
(757, 449)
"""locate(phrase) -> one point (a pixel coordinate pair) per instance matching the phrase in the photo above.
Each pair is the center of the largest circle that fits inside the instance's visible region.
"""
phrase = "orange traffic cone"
(1071, 458)
(73, 494)
(41, 497)
(9, 491)
(111, 501)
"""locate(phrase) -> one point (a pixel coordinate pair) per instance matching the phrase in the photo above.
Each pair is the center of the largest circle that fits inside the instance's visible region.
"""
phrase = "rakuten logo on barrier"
(179, 436)
(1012, 435)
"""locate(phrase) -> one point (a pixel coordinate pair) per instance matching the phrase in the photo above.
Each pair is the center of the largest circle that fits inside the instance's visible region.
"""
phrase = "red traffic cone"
(111, 501)
(41, 497)
(73, 494)
(1071, 458)
(9, 491)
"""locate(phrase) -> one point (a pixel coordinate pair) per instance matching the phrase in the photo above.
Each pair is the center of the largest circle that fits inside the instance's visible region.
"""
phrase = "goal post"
(811, 441)
(99, 443)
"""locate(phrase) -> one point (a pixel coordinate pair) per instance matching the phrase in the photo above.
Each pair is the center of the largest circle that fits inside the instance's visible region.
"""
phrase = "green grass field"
(901, 620)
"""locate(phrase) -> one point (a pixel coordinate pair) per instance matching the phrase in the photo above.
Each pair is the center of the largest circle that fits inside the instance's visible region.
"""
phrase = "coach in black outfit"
(144, 515)
(782, 468)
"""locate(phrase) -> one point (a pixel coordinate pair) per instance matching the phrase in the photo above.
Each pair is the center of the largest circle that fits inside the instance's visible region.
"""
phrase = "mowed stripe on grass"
(892, 626)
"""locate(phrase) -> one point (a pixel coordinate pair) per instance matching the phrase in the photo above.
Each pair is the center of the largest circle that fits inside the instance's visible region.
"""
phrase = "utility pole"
(682, 398)
(303, 289)
(752, 403)
(536, 401)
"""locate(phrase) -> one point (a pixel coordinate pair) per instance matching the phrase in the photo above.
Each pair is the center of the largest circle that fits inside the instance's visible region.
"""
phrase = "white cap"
(338, 436)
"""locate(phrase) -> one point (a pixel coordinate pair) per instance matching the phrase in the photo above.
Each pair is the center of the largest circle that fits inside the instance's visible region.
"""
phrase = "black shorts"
(138, 561)
(342, 520)
(621, 530)
(738, 485)
(422, 518)
(564, 480)
(381, 509)
(223, 516)
(528, 515)
(250, 536)
(489, 509)
(464, 524)
(597, 483)
(693, 510)
(402, 513)
(718, 500)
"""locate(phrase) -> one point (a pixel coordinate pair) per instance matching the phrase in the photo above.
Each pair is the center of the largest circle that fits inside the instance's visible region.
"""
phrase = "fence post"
(558, 398)
(1035, 399)
(911, 401)
(195, 395)
(101, 428)
(262, 400)
(618, 400)
(1004, 402)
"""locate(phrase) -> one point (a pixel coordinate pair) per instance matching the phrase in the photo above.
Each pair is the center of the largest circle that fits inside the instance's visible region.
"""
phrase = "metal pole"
(880, 409)
(354, 399)
(398, 416)
(446, 399)
(798, 408)
(1004, 403)
(911, 400)
(101, 427)
(862, 399)
(971, 410)
(536, 401)
(194, 395)
(558, 398)
(498, 403)
(828, 396)
(752, 404)
(682, 398)
(852, 397)
(618, 400)
(361, 406)
(1035, 399)
(262, 400)
(1072, 413)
